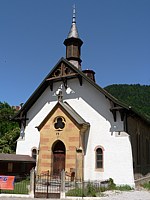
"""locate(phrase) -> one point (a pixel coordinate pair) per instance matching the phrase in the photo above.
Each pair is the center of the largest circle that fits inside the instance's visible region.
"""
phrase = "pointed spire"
(73, 31)
(73, 44)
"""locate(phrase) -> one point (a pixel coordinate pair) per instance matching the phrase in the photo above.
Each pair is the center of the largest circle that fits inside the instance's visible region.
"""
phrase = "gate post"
(32, 184)
(62, 189)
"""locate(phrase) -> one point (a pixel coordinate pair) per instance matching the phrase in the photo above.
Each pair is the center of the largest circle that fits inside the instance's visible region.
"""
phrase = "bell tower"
(73, 44)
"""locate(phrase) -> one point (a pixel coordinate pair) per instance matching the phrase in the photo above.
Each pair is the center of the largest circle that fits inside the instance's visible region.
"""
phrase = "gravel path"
(132, 195)
(115, 195)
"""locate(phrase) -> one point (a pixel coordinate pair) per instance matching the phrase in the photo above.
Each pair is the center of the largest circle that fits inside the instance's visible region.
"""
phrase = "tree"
(8, 141)
(9, 130)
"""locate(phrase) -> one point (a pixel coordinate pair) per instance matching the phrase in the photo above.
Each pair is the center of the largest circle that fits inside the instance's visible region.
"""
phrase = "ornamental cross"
(60, 95)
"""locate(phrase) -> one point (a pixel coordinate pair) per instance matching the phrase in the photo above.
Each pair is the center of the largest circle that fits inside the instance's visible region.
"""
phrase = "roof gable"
(62, 71)
(68, 110)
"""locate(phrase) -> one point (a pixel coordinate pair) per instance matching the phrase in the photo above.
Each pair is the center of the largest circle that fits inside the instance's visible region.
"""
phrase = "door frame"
(58, 147)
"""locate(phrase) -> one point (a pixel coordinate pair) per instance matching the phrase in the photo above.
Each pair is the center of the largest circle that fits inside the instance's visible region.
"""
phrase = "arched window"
(99, 158)
(34, 153)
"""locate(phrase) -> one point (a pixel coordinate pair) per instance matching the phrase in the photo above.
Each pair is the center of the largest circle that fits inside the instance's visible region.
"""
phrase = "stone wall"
(69, 135)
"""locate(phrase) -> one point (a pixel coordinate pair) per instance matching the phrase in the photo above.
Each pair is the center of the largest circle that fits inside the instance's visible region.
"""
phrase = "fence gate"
(51, 186)
(47, 186)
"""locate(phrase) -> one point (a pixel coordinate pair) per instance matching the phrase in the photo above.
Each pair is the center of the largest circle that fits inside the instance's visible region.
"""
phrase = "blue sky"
(116, 36)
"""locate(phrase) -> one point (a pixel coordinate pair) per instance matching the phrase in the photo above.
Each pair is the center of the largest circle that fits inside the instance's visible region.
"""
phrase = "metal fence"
(49, 186)
(84, 188)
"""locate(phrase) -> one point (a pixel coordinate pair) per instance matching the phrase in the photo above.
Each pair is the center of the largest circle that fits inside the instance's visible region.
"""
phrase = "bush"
(77, 192)
(90, 190)
(146, 185)
(124, 187)
(111, 184)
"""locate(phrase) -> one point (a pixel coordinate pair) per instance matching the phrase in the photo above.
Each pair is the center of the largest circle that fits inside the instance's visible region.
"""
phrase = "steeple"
(73, 31)
(73, 44)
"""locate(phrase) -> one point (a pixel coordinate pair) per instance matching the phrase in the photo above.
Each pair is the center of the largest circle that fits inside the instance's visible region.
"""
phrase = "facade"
(73, 124)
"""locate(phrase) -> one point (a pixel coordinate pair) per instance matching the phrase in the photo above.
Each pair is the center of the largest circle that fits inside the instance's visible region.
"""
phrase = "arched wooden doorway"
(59, 152)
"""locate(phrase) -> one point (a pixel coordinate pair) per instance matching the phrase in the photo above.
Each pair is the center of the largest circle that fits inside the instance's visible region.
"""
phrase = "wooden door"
(58, 163)
(59, 152)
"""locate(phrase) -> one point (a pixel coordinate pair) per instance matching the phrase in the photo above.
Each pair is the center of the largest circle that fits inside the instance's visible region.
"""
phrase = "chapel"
(70, 123)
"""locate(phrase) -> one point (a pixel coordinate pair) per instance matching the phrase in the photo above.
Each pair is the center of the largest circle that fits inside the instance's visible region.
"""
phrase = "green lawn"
(20, 187)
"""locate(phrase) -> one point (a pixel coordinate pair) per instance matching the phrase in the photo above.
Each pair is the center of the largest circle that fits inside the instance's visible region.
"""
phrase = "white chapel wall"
(93, 107)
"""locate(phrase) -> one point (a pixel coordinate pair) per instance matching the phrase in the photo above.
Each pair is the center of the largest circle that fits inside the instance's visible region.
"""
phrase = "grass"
(76, 192)
(91, 191)
(20, 187)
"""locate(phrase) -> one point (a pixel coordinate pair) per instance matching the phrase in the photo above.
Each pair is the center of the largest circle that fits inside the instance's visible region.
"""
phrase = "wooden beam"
(51, 85)
(65, 82)
(117, 108)
(114, 115)
(64, 76)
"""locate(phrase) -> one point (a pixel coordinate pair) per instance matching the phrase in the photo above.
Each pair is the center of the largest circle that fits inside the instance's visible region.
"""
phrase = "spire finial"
(74, 14)
(73, 31)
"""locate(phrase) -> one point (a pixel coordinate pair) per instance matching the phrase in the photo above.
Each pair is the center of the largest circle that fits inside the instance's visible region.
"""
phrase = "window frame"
(96, 160)
(56, 121)
(34, 154)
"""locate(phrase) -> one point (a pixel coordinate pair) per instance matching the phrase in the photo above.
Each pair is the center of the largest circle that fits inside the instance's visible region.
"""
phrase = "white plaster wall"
(117, 160)
(36, 114)
(94, 108)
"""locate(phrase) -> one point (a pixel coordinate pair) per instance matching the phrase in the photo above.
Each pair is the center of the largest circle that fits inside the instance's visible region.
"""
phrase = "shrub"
(90, 190)
(146, 185)
(124, 187)
(77, 192)
(111, 184)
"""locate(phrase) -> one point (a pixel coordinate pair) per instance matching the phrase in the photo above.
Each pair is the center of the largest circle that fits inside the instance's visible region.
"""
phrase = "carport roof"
(16, 158)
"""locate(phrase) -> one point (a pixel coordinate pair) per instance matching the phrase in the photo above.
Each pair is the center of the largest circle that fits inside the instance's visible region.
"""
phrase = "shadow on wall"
(86, 136)
(99, 103)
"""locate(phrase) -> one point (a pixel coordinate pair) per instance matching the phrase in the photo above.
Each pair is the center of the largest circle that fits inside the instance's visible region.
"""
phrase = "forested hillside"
(137, 96)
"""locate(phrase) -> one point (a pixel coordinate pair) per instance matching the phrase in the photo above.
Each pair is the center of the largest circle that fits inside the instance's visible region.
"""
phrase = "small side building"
(16, 165)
